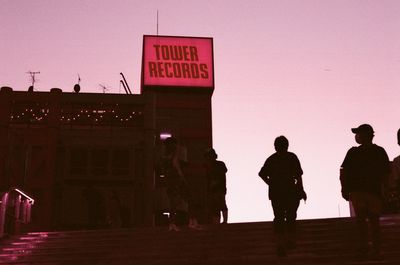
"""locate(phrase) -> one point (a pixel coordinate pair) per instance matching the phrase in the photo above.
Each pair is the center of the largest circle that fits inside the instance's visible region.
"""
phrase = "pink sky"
(309, 70)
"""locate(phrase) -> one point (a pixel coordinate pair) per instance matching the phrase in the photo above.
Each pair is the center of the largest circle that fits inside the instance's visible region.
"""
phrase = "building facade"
(83, 155)
(72, 152)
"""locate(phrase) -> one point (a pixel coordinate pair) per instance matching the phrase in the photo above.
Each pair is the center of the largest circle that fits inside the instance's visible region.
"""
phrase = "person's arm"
(386, 164)
(300, 188)
(344, 175)
(224, 170)
(264, 173)
(386, 171)
(177, 166)
(299, 179)
(396, 169)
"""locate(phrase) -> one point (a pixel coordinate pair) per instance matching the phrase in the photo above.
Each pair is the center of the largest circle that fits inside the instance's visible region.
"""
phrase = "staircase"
(320, 242)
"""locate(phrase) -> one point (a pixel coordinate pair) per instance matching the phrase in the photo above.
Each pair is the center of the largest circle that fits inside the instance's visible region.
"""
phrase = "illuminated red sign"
(177, 62)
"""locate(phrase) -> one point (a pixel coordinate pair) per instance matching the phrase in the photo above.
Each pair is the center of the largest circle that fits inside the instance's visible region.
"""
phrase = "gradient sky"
(309, 70)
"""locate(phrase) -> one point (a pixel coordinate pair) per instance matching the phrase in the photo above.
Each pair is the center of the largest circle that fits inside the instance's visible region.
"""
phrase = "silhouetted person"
(175, 180)
(216, 187)
(282, 173)
(191, 192)
(191, 204)
(396, 164)
(363, 171)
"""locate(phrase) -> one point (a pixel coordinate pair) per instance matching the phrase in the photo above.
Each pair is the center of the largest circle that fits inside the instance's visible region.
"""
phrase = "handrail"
(21, 204)
(31, 200)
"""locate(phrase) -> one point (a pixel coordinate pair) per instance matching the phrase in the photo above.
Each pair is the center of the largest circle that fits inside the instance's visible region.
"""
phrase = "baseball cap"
(363, 128)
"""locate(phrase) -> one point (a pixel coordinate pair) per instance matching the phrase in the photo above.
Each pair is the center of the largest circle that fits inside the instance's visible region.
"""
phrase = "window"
(78, 161)
(120, 162)
(99, 162)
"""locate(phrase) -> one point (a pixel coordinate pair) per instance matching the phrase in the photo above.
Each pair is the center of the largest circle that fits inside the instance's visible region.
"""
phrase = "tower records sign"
(177, 61)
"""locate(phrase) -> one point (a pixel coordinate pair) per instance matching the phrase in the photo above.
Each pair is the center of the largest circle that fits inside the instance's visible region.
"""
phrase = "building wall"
(55, 145)
(61, 148)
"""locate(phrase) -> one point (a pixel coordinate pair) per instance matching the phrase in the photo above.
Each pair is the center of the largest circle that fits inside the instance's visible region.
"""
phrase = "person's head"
(171, 144)
(281, 144)
(210, 154)
(363, 134)
(398, 136)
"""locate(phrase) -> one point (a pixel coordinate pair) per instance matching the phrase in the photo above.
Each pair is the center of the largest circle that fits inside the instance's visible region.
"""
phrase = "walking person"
(282, 173)
(216, 187)
(363, 172)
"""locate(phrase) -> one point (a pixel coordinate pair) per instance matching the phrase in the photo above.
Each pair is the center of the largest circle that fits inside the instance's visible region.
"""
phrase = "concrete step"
(323, 241)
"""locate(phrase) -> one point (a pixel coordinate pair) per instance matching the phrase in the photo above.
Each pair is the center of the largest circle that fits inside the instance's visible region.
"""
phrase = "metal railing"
(15, 209)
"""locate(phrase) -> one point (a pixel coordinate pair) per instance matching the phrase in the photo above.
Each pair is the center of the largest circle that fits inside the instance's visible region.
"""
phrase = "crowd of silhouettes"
(363, 173)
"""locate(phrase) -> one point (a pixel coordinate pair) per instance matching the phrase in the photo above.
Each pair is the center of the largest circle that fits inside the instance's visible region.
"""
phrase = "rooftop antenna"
(126, 86)
(77, 86)
(33, 79)
(123, 84)
(157, 22)
(104, 88)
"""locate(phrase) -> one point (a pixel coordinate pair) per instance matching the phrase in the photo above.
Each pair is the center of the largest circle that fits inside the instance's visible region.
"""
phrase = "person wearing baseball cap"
(364, 129)
(362, 174)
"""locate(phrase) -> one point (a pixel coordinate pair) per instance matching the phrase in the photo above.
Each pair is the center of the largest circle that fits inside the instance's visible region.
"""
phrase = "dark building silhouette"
(55, 144)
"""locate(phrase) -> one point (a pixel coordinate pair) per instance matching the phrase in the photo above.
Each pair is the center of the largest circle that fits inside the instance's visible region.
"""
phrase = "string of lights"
(115, 115)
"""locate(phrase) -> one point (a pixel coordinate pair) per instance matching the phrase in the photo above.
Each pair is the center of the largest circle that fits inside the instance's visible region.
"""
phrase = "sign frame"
(168, 86)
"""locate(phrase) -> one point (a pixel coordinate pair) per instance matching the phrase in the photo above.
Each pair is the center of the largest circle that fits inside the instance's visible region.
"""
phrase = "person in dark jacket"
(362, 174)
(282, 173)
(216, 187)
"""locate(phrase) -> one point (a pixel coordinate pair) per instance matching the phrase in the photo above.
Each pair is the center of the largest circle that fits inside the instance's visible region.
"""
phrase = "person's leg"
(291, 215)
(193, 211)
(360, 208)
(214, 209)
(375, 233)
(194, 224)
(216, 217)
(224, 209)
(218, 207)
(279, 229)
(374, 211)
(225, 216)
(279, 217)
(173, 197)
